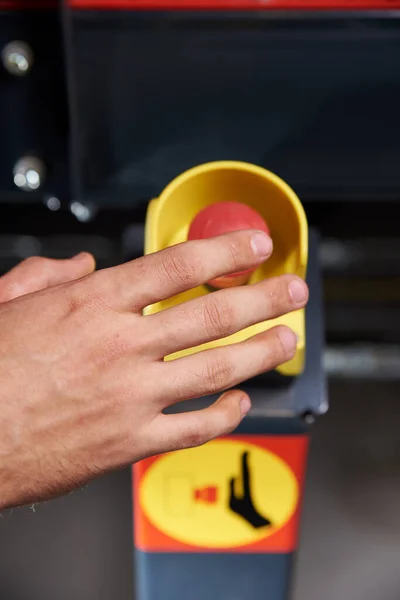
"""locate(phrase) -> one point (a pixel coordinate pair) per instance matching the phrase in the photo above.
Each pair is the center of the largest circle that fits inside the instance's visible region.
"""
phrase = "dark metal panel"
(33, 109)
(313, 100)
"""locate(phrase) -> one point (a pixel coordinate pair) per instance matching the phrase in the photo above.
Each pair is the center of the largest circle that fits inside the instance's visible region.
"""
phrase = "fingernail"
(297, 291)
(261, 245)
(288, 339)
(245, 405)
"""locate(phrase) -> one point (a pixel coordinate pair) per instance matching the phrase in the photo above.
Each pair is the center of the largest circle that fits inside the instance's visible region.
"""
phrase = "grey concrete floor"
(80, 547)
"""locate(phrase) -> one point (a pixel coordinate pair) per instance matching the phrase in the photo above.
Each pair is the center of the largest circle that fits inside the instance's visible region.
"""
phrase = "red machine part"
(267, 5)
(224, 217)
(236, 4)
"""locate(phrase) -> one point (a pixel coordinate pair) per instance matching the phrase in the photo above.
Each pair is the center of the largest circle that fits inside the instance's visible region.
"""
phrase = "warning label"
(234, 494)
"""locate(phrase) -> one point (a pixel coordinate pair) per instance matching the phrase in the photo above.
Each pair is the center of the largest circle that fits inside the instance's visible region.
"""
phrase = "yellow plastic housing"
(169, 217)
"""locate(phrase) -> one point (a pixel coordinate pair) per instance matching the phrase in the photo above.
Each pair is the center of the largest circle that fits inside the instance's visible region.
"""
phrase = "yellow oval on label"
(225, 494)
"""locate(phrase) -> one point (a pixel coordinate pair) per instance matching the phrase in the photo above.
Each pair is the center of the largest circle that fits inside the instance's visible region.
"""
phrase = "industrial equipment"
(108, 109)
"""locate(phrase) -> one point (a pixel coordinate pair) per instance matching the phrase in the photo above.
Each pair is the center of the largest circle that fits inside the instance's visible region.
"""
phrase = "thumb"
(187, 430)
(37, 273)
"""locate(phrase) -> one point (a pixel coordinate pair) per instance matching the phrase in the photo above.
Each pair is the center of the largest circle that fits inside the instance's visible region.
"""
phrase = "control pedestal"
(222, 521)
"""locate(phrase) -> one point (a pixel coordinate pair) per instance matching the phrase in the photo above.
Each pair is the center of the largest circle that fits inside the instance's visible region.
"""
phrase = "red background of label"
(292, 449)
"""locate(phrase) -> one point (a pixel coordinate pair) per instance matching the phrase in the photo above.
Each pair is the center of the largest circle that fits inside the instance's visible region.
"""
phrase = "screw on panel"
(308, 418)
(29, 173)
(83, 212)
(17, 58)
(52, 203)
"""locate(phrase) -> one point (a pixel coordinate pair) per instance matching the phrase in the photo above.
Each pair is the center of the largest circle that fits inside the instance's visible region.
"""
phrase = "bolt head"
(17, 58)
(83, 212)
(52, 203)
(29, 173)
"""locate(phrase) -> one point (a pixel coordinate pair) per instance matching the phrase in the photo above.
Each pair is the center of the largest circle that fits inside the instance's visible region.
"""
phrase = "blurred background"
(99, 109)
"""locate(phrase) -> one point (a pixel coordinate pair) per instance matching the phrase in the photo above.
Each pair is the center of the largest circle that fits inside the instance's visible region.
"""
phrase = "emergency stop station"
(163, 109)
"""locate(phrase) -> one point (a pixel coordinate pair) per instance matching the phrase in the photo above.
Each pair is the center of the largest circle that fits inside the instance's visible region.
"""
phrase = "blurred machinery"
(104, 102)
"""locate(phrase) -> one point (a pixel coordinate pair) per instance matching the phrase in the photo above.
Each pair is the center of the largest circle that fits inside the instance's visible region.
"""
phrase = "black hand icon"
(243, 505)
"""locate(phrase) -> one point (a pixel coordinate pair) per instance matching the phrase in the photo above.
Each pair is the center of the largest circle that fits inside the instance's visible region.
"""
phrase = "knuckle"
(45, 266)
(140, 267)
(218, 316)
(194, 436)
(76, 300)
(219, 373)
(275, 298)
(82, 295)
(39, 264)
(278, 291)
(236, 252)
(93, 289)
(180, 268)
(36, 261)
(278, 295)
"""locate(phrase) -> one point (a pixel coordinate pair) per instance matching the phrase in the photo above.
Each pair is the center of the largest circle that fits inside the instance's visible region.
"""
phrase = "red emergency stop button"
(224, 217)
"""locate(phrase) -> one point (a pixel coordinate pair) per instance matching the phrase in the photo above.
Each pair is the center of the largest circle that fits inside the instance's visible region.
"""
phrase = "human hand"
(83, 381)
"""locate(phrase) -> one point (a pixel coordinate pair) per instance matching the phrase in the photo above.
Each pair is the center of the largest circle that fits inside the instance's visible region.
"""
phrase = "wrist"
(8, 490)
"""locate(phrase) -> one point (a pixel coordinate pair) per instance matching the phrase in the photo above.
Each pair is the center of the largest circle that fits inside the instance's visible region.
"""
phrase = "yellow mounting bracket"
(169, 217)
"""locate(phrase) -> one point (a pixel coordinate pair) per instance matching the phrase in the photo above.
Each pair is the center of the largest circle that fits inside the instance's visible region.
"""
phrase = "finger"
(225, 312)
(159, 276)
(232, 488)
(219, 369)
(37, 273)
(187, 430)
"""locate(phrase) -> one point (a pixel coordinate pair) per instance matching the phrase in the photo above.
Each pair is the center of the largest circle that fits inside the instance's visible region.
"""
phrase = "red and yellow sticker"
(234, 494)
